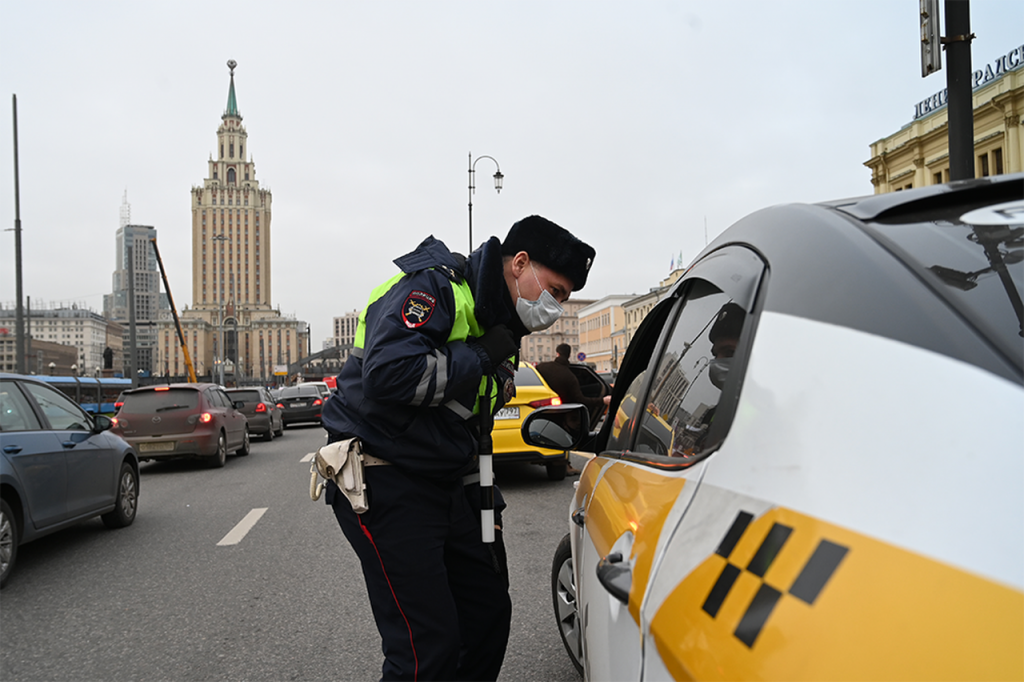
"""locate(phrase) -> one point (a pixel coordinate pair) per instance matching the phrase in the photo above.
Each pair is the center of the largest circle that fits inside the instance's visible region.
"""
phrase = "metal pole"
(19, 324)
(958, 85)
(470, 203)
(131, 316)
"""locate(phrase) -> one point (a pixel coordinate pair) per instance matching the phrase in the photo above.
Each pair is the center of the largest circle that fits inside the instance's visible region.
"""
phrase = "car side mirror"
(101, 423)
(561, 427)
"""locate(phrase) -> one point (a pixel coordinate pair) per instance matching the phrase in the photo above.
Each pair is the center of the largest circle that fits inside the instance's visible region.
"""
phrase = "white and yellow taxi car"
(816, 470)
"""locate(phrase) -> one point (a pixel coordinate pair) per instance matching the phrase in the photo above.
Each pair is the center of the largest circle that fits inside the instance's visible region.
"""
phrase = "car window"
(687, 384)
(160, 401)
(527, 376)
(62, 413)
(221, 398)
(246, 396)
(302, 389)
(15, 412)
(625, 415)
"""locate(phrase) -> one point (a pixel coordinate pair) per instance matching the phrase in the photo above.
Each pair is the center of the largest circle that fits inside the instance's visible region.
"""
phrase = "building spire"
(232, 109)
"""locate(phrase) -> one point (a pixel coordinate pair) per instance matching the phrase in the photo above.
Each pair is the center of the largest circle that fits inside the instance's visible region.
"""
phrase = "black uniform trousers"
(438, 593)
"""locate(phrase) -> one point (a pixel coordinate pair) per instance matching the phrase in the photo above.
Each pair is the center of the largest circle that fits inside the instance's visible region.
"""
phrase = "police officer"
(434, 358)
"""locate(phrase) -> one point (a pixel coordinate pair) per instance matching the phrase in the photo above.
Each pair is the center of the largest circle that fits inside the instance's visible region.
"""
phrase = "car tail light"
(118, 406)
(281, 405)
(206, 417)
(261, 407)
(317, 402)
(547, 401)
(162, 388)
(115, 422)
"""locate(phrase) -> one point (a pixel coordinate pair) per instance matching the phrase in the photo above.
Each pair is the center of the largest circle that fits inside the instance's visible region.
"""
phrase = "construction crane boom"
(174, 311)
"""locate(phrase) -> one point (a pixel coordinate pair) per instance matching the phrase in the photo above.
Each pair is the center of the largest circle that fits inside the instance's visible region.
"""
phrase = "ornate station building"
(917, 155)
(231, 319)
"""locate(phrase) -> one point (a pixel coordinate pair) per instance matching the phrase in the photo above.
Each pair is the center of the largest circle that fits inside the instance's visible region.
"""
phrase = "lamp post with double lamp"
(498, 179)
(220, 305)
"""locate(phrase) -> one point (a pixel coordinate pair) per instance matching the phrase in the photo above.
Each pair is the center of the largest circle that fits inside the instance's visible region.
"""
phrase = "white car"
(815, 468)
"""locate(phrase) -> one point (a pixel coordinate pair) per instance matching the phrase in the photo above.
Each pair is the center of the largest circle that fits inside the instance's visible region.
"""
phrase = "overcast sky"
(632, 124)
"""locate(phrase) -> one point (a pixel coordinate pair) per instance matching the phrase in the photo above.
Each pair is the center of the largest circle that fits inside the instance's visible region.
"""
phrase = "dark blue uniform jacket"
(408, 394)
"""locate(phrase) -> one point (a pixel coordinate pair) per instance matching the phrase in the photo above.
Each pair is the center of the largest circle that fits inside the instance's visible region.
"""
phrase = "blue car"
(60, 466)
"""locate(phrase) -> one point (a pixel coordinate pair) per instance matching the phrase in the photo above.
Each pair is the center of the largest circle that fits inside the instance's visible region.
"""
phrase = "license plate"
(507, 413)
(298, 404)
(167, 446)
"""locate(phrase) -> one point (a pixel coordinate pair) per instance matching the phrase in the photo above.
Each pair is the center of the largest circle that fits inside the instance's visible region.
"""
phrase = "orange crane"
(174, 311)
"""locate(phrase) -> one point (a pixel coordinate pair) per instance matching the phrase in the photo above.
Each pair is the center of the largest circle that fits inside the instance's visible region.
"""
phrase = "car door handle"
(12, 449)
(577, 516)
(68, 444)
(615, 577)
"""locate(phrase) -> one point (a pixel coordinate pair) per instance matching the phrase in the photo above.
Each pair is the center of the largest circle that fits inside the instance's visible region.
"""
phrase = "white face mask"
(539, 314)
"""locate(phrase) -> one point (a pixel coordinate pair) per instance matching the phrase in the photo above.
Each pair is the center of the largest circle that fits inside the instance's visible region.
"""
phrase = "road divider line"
(308, 458)
(244, 526)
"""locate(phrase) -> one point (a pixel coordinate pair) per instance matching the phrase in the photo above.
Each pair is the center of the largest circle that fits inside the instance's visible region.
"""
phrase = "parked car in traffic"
(301, 403)
(60, 466)
(325, 389)
(533, 392)
(815, 467)
(183, 420)
(260, 409)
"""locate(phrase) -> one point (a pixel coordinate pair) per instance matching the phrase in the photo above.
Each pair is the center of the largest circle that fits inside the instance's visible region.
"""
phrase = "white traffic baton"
(487, 498)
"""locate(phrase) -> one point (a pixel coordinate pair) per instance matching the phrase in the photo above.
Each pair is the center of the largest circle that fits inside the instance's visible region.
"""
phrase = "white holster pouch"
(341, 462)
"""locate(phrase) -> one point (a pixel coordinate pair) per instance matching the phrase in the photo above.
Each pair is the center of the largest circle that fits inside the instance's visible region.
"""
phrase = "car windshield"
(293, 391)
(161, 401)
(527, 376)
(981, 266)
(245, 396)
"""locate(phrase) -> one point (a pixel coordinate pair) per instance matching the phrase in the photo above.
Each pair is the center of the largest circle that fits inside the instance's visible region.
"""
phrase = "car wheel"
(127, 501)
(269, 435)
(221, 458)
(244, 450)
(280, 431)
(563, 595)
(557, 470)
(8, 542)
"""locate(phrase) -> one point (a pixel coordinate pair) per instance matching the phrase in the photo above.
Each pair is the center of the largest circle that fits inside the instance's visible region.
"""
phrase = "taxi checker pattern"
(808, 584)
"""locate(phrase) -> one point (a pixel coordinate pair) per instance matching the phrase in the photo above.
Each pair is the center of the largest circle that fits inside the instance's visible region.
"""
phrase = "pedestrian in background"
(434, 358)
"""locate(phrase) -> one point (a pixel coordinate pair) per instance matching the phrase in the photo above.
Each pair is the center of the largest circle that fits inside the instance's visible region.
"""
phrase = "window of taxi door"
(687, 384)
(701, 354)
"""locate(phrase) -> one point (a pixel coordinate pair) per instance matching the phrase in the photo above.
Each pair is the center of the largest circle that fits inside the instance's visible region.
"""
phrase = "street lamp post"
(220, 305)
(498, 178)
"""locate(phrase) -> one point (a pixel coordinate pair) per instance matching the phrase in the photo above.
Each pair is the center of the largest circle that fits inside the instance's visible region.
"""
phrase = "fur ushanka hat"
(551, 246)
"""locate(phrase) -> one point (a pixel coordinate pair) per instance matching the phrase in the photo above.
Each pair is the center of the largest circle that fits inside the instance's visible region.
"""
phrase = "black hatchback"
(302, 403)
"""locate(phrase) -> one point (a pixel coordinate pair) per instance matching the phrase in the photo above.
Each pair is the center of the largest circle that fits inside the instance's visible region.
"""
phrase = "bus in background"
(95, 395)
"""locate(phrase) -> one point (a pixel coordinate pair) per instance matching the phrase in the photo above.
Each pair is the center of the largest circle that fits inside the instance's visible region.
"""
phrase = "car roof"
(833, 262)
(194, 387)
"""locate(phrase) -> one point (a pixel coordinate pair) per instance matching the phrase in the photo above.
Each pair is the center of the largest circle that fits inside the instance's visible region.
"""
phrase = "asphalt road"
(162, 600)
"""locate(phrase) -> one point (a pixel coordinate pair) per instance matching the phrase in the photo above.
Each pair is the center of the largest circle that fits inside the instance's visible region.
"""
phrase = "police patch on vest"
(507, 375)
(417, 309)
(510, 390)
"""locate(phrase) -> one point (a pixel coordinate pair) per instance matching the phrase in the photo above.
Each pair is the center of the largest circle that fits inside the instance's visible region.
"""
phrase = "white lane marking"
(244, 526)
(308, 458)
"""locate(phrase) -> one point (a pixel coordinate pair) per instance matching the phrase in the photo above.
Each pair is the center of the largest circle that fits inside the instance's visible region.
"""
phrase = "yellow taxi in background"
(532, 392)
(814, 466)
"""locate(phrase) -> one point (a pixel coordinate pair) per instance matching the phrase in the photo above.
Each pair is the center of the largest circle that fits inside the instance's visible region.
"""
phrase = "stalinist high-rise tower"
(231, 295)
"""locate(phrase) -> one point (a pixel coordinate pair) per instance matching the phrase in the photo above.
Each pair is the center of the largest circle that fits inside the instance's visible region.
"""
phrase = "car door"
(235, 422)
(91, 459)
(36, 456)
(592, 386)
(671, 415)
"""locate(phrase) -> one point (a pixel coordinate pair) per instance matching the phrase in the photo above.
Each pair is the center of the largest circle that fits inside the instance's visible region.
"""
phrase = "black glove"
(497, 343)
